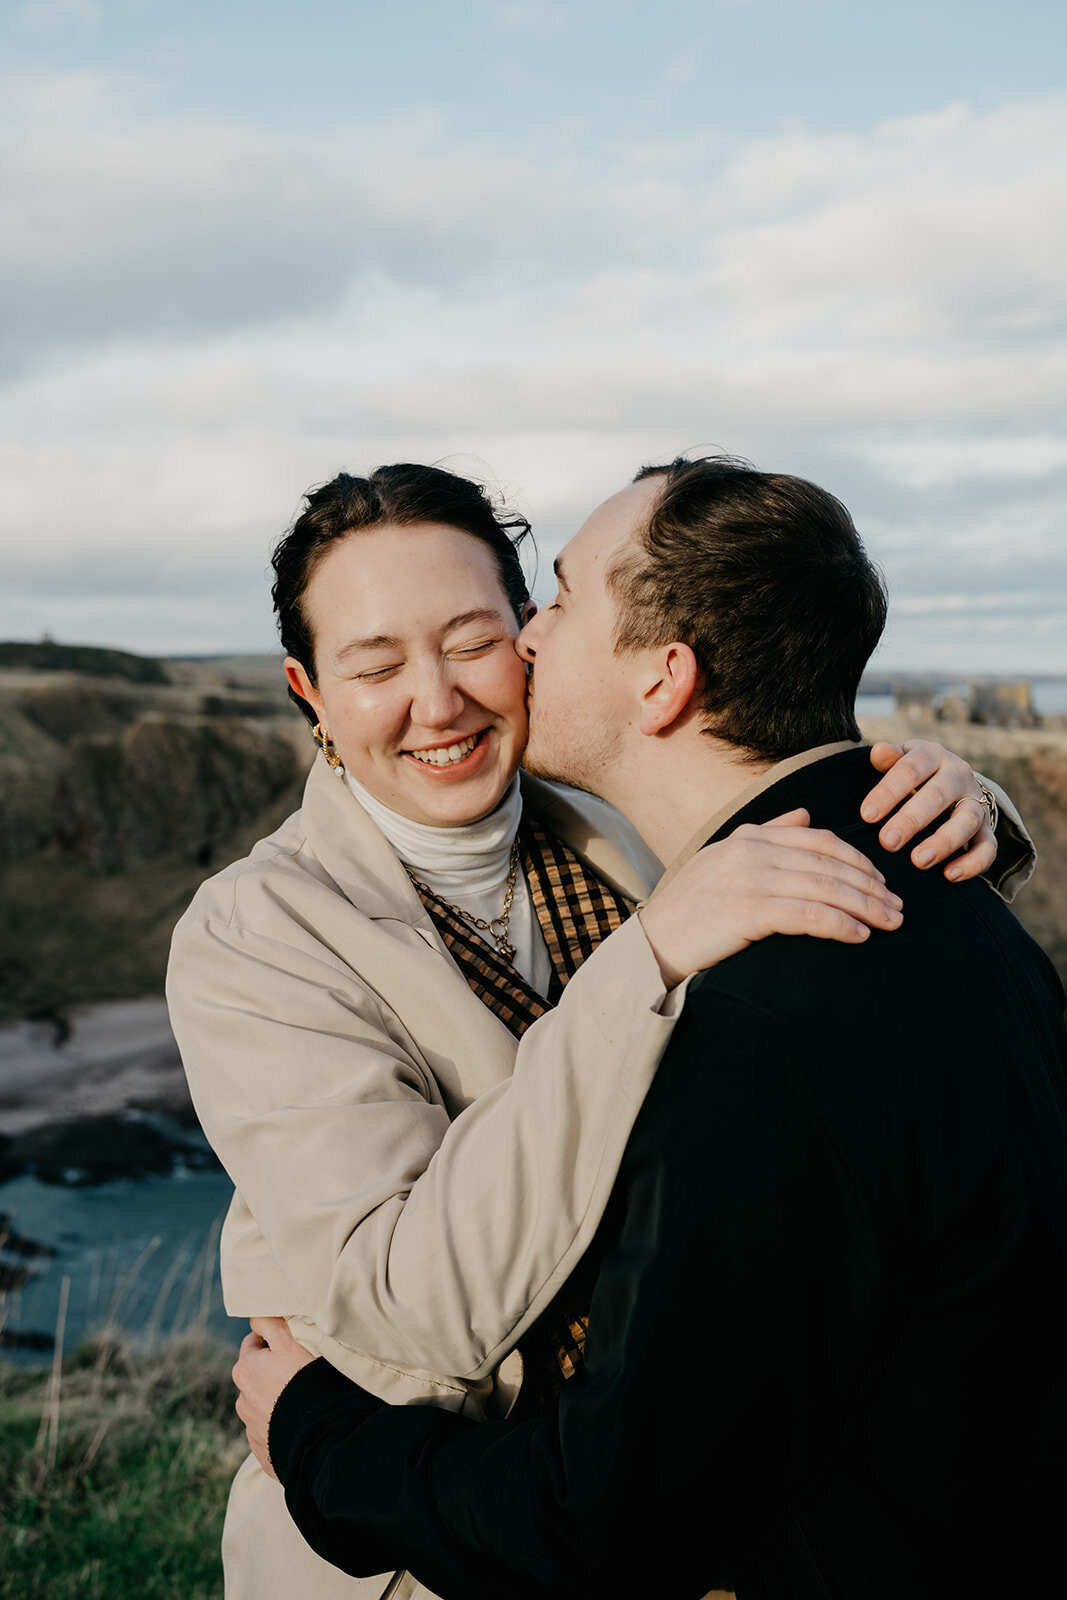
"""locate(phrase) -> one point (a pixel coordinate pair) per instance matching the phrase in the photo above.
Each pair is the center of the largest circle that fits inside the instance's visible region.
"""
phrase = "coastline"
(98, 1095)
(108, 1188)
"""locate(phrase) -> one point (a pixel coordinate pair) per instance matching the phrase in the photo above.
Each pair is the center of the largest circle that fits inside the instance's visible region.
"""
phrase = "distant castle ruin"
(992, 705)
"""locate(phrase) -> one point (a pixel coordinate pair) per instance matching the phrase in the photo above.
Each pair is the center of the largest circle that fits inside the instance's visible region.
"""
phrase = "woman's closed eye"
(463, 652)
(374, 674)
(483, 645)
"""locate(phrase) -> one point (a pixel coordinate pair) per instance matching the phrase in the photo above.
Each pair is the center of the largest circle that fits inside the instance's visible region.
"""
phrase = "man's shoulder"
(959, 956)
(885, 1048)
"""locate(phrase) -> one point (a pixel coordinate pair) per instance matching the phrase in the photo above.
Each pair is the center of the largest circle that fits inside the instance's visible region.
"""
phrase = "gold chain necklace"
(495, 927)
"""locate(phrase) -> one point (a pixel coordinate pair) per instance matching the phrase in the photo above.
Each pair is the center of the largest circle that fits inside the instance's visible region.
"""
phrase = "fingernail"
(923, 857)
(893, 917)
(892, 840)
(895, 900)
(953, 872)
(862, 930)
(868, 812)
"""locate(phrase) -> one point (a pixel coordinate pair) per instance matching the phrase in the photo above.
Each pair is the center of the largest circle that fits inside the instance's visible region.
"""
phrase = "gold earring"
(334, 761)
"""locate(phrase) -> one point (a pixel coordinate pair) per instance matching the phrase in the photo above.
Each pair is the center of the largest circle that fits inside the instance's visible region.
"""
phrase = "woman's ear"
(671, 690)
(301, 684)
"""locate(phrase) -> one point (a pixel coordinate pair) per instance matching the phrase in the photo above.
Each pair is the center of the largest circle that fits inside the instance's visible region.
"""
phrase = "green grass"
(113, 1482)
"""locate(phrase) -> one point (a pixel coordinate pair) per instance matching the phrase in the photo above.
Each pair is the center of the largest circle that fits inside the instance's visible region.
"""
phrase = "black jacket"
(828, 1339)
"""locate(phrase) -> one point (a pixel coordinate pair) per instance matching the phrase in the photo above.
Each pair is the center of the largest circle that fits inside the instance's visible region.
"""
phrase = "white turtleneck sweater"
(468, 867)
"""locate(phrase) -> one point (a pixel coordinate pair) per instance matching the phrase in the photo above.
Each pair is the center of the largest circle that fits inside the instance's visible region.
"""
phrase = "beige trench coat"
(412, 1185)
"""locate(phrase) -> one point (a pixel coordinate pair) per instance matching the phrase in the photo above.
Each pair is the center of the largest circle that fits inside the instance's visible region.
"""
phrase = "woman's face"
(418, 683)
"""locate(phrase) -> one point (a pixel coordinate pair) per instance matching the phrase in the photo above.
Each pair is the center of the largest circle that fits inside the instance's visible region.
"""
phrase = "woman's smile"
(449, 755)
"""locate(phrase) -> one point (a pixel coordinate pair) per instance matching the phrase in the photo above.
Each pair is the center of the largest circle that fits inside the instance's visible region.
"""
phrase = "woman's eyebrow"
(561, 579)
(465, 617)
(376, 641)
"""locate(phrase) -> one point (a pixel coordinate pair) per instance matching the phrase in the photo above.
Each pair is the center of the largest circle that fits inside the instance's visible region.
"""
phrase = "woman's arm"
(409, 1238)
(399, 1234)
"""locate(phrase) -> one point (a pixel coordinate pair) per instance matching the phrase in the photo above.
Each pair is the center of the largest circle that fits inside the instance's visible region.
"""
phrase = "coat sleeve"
(413, 1240)
(729, 1278)
(1016, 856)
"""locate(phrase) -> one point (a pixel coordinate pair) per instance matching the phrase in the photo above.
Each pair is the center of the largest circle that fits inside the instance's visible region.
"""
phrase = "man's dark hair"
(404, 494)
(765, 578)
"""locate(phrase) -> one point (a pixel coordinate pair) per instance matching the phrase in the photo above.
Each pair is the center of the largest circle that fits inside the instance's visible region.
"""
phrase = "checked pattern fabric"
(575, 911)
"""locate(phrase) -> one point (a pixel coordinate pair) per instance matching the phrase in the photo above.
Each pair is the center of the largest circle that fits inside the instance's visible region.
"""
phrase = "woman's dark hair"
(402, 494)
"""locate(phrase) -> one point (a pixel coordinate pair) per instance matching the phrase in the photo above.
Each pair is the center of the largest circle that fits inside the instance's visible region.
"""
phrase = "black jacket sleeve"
(730, 1261)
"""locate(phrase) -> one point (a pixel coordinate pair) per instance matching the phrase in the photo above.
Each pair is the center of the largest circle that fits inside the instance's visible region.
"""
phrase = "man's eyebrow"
(557, 568)
(390, 641)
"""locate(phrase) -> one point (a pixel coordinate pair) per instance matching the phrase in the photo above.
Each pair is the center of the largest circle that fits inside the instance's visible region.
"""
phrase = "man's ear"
(670, 693)
(529, 610)
(302, 685)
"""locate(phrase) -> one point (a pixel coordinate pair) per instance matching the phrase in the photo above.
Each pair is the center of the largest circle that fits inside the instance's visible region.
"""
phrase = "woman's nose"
(437, 700)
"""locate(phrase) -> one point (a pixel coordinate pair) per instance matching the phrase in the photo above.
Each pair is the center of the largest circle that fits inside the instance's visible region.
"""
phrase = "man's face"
(579, 706)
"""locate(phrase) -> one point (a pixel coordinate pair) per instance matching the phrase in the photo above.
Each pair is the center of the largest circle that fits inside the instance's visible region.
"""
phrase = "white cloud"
(936, 461)
(213, 315)
(115, 221)
(930, 229)
(540, 19)
(928, 244)
(50, 14)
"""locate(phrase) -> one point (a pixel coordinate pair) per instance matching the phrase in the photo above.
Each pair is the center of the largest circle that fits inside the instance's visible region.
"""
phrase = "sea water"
(140, 1257)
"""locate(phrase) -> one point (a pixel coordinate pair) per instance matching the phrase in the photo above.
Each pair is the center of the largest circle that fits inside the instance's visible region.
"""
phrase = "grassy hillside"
(117, 799)
(71, 934)
(113, 1479)
(48, 656)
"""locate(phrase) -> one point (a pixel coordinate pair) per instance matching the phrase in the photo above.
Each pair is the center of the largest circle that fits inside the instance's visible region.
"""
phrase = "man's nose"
(437, 700)
(526, 643)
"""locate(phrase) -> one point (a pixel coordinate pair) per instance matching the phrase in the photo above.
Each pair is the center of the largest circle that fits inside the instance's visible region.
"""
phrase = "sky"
(245, 246)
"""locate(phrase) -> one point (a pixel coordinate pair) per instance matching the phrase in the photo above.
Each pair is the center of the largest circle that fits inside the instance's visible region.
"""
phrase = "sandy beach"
(113, 1058)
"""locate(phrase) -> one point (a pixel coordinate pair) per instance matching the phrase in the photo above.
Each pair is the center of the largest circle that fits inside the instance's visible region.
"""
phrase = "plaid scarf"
(575, 912)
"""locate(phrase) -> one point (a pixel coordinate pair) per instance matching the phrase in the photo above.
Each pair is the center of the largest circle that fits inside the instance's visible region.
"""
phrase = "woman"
(418, 1165)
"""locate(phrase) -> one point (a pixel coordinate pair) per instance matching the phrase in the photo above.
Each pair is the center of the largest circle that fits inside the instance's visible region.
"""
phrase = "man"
(830, 1301)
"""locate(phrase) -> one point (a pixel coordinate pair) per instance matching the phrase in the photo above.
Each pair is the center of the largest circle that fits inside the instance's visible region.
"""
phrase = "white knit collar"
(471, 857)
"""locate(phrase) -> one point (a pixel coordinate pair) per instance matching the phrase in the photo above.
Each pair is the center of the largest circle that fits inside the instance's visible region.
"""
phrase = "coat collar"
(751, 804)
(366, 868)
(356, 853)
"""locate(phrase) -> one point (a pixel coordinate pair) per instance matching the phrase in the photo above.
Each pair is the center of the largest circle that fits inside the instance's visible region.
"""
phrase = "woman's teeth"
(446, 753)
